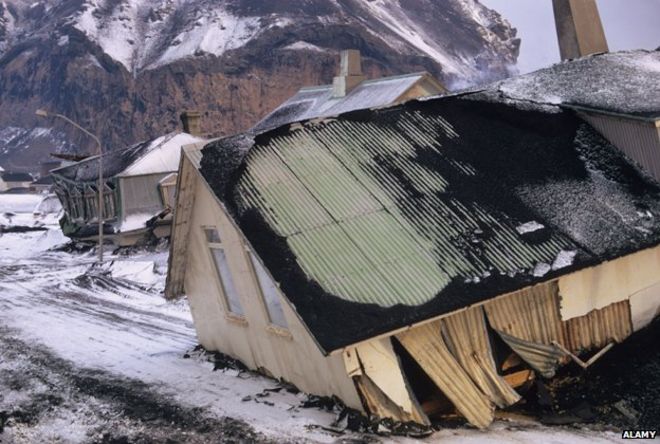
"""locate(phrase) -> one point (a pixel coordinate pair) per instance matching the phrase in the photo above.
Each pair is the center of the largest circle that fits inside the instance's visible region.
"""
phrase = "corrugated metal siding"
(378, 404)
(426, 346)
(640, 140)
(533, 315)
(467, 337)
(319, 101)
(543, 358)
(370, 222)
(599, 328)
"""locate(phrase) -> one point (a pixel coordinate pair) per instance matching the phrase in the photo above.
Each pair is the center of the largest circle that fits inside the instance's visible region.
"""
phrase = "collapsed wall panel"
(466, 336)
(426, 345)
(380, 379)
(529, 321)
(531, 314)
(377, 403)
(599, 327)
(544, 359)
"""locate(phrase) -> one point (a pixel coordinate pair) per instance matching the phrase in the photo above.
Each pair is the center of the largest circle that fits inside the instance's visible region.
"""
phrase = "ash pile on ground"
(622, 389)
(49, 396)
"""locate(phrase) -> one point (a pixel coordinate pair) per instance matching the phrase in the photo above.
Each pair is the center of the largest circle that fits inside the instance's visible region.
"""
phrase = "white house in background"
(10, 180)
(136, 203)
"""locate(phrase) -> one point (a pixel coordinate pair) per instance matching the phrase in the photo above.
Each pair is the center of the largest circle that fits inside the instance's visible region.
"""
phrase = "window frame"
(239, 318)
(272, 327)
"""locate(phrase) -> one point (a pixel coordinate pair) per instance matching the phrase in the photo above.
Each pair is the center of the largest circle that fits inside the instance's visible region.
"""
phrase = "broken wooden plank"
(426, 346)
(352, 363)
(519, 378)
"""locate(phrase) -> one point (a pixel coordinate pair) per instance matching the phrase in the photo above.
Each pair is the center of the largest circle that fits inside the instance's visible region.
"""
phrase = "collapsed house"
(138, 192)
(427, 257)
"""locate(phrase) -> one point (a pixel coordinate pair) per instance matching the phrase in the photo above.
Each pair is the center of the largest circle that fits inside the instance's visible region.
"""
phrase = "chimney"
(192, 122)
(579, 29)
(350, 73)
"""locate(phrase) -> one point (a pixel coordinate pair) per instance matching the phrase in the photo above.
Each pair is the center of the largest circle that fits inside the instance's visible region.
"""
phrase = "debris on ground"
(20, 229)
(622, 389)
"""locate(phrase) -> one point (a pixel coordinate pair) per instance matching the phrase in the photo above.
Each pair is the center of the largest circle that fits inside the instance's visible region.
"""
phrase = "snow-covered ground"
(91, 354)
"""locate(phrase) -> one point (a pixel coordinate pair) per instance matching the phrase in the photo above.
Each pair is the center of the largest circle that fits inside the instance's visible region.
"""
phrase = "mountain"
(125, 69)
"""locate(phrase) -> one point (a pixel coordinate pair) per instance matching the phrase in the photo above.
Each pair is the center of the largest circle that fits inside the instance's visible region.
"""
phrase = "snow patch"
(301, 45)
(162, 155)
(135, 222)
(529, 227)
(625, 82)
(541, 269)
(19, 203)
(564, 259)
(142, 272)
(49, 204)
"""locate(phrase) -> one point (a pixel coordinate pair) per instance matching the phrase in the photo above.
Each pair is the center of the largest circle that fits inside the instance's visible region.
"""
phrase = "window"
(91, 202)
(233, 302)
(108, 202)
(77, 205)
(212, 236)
(270, 294)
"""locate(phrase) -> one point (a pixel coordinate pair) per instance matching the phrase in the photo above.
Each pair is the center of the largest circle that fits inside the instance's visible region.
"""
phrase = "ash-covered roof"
(318, 101)
(625, 82)
(45, 180)
(159, 155)
(382, 218)
(9, 176)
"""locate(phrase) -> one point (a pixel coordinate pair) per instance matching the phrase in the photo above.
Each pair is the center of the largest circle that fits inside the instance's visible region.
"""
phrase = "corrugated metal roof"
(318, 101)
(371, 224)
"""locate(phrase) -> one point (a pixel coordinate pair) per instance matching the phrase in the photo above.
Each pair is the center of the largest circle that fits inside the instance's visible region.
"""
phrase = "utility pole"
(101, 183)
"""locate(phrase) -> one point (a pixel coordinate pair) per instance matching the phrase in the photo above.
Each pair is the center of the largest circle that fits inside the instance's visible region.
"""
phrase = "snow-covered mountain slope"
(143, 34)
(23, 148)
(126, 68)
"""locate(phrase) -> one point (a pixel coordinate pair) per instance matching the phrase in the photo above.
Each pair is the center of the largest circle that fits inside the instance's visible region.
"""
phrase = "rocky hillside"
(126, 68)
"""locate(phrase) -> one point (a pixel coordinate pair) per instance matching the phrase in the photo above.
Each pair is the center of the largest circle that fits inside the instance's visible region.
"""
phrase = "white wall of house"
(635, 277)
(5, 186)
(292, 353)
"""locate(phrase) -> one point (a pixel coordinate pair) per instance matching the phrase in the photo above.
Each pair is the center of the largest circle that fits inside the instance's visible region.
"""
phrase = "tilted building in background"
(138, 194)
(377, 255)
